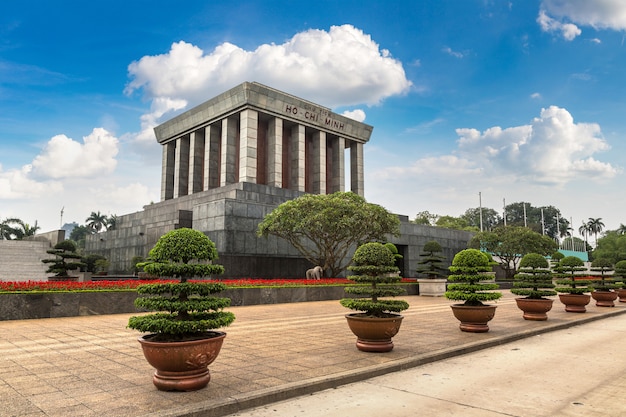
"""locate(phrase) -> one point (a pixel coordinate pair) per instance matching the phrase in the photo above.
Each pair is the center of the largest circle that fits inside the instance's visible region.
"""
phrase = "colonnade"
(251, 146)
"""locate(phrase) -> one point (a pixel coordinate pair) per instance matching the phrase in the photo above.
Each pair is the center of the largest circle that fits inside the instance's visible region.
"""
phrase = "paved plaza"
(93, 365)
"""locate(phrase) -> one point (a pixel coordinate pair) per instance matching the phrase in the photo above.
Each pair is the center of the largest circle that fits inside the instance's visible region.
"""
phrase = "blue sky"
(518, 100)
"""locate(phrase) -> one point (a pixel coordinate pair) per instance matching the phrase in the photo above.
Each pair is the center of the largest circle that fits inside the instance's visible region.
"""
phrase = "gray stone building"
(231, 160)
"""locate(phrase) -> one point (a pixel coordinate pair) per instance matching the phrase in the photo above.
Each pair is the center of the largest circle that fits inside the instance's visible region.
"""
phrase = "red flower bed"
(129, 285)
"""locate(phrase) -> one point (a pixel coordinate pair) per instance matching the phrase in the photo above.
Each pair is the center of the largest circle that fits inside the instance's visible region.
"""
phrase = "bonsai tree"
(466, 268)
(65, 259)
(534, 279)
(431, 264)
(620, 271)
(372, 264)
(566, 272)
(601, 267)
(555, 258)
(187, 308)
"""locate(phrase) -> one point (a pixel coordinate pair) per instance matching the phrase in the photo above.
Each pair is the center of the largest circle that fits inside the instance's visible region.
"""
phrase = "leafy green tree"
(621, 229)
(96, 221)
(490, 217)
(515, 217)
(426, 218)
(458, 223)
(611, 246)
(510, 243)
(324, 228)
(79, 233)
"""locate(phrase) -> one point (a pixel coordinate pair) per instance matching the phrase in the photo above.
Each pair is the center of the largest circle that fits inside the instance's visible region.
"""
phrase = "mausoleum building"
(230, 161)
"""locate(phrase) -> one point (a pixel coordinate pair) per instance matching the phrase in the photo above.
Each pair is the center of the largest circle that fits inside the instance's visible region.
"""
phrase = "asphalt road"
(580, 371)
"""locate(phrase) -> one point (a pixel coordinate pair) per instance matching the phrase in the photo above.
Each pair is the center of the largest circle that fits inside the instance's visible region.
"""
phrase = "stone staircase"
(20, 260)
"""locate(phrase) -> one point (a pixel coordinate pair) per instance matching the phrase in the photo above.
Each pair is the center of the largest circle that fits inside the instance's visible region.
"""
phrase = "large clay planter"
(182, 366)
(432, 287)
(621, 293)
(534, 309)
(373, 333)
(604, 298)
(575, 303)
(474, 319)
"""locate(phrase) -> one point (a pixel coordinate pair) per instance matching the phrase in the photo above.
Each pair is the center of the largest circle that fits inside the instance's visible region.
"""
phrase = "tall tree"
(611, 246)
(511, 243)
(490, 218)
(584, 230)
(595, 226)
(534, 220)
(10, 228)
(621, 229)
(425, 217)
(96, 221)
(324, 228)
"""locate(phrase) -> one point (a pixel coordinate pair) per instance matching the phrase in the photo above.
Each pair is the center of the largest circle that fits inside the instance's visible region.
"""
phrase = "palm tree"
(111, 222)
(595, 226)
(621, 230)
(584, 231)
(10, 229)
(96, 221)
(28, 230)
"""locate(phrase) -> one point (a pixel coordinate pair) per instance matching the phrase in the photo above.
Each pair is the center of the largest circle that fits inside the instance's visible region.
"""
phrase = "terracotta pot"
(432, 287)
(575, 303)
(182, 366)
(474, 319)
(604, 298)
(621, 293)
(534, 309)
(373, 333)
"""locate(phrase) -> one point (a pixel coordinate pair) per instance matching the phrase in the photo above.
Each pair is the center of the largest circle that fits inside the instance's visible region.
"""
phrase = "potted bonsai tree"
(620, 271)
(534, 281)
(466, 268)
(433, 281)
(603, 285)
(181, 342)
(376, 322)
(572, 288)
(65, 259)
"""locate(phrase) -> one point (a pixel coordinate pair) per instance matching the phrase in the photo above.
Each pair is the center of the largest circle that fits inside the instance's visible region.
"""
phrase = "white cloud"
(568, 30)
(552, 149)
(450, 52)
(17, 184)
(535, 95)
(339, 67)
(63, 157)
(598, 14)
(356, 114)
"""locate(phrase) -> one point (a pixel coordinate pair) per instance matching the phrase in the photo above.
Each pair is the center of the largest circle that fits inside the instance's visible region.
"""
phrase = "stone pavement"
(93, 365)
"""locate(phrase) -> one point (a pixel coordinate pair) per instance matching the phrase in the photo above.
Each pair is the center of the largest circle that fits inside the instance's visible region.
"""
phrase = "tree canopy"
(612, 246)
(324, 228)
(510, 243)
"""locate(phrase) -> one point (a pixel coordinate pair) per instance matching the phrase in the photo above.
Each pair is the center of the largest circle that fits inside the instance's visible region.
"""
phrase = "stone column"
(167, 170)
(338, 181)
(181, 167)
(228, 158)
(275, 152)
(297, 158)
(356, 168)
(211, 157)
(248, 136)
(196, 162)
(318, 169)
